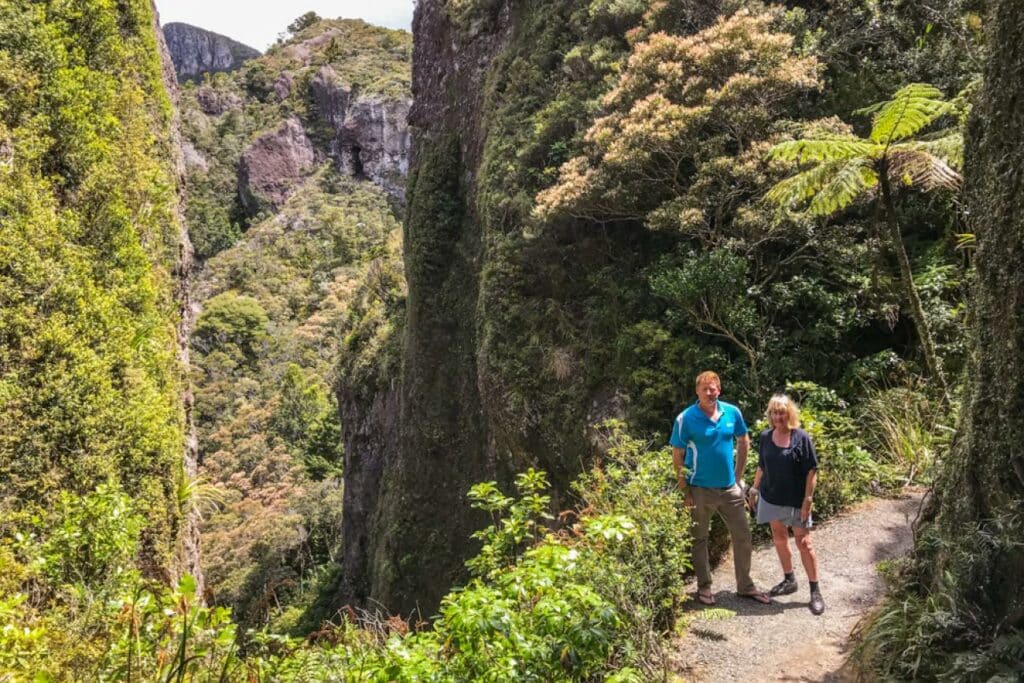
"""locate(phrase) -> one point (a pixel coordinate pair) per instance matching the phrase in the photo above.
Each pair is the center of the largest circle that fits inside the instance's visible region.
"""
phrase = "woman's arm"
(755, 489)
(812, 479)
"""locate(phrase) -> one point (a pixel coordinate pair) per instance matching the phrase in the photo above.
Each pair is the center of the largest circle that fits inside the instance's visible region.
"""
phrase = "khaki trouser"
(729, 504)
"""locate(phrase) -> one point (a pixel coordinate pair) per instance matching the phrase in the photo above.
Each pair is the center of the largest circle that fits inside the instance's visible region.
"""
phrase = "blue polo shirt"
(709, 445)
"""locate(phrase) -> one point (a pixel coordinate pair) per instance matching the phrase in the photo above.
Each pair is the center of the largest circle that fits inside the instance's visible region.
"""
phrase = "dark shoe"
(817, 604)
(785, 587)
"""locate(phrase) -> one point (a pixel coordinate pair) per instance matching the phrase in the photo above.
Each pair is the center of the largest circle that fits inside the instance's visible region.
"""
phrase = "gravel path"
(784, 641)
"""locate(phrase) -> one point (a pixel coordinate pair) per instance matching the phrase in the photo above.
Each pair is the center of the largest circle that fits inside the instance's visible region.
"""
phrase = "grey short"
(790, 516)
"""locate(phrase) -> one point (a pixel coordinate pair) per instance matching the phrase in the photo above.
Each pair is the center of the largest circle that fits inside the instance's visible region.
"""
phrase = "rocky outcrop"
(273, 166)
(370, 133)
(214, 102)
(196, 51)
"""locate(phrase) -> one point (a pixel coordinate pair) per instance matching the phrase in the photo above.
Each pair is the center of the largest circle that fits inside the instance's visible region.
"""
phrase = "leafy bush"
(639, 531)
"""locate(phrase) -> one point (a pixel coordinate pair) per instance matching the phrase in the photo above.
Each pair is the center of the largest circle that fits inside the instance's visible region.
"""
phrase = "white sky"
(257, 23)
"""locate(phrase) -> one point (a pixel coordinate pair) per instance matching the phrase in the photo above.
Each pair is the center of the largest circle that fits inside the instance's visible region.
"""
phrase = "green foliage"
(911, 109)
(303, 22)
(231, 318)
(89, 382)
(907, 430)
(515, 522)
(635, 522)
(95, 538)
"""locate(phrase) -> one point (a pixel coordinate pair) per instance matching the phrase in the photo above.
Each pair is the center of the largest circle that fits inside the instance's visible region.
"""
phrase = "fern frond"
(853, 180)
(801, 187)
(966, 240)
(827, 148)
(922, 169)
(948, 146)
(912, 108)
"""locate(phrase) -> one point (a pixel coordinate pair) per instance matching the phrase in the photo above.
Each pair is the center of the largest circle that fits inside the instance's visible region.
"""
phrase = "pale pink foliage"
(674, 94)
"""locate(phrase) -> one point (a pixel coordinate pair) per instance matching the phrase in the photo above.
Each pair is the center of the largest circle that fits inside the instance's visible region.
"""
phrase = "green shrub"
(906, 429)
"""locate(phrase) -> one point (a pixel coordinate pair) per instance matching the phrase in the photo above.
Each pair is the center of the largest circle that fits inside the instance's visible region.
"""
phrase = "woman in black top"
(787, 469)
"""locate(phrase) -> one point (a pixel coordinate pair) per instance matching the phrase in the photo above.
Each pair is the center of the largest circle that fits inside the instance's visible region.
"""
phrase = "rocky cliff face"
(196, 51)
(407, 555)
(273, 166)
(370, 133)
(188, 550)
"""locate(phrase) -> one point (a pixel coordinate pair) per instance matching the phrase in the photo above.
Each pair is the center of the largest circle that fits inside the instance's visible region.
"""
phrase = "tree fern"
(921, 169)
(843, 167)
(948, 146)
(801, 187)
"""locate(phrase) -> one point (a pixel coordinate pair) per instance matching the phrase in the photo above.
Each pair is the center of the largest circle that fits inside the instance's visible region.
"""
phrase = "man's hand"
(685, 488)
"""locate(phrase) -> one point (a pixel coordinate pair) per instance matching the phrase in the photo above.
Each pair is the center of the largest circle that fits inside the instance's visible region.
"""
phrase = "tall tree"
(960, 612)
(842, 167)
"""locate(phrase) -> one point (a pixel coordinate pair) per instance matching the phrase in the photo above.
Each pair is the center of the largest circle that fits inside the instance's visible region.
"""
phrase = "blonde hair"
(783, 402)
(708, 376)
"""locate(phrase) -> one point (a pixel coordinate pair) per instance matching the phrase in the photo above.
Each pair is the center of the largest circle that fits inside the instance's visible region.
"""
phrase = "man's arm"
(677, 461)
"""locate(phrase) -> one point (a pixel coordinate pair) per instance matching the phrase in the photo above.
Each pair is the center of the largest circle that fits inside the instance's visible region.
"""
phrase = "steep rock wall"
(417, 520)
(188, 550)
(370, 133)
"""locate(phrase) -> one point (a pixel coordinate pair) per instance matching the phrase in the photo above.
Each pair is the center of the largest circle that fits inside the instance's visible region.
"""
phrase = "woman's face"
(780, 418)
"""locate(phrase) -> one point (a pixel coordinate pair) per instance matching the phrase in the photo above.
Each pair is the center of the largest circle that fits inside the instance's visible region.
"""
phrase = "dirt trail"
(784, 641)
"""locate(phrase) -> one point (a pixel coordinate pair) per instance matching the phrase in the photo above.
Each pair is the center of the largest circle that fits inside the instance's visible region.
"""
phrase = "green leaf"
(824, 148)
(911, 109)
(187, 585)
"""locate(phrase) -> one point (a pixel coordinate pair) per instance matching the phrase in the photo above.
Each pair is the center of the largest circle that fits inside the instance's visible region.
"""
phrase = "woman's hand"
(805, 510)
(752, 495)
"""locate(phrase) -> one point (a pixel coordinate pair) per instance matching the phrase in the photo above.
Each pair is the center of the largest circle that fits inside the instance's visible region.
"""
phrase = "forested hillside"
(448, 292)
(296, 167)
(92, 421)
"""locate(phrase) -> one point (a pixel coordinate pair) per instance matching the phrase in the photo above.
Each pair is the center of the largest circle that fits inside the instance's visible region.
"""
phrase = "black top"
(784, 470)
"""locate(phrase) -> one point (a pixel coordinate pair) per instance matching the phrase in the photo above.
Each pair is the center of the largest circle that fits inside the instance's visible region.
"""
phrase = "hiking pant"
(730, 505)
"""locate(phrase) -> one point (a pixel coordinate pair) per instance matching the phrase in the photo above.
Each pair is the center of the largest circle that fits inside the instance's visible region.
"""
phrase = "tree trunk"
(924, 331)
(964, 593)
(985, 476)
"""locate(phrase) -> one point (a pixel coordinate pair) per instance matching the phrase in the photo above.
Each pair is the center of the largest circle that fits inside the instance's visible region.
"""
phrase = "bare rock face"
(196, 51)
(283, 85)
(371, 134)
(273, 166)
(215, 102)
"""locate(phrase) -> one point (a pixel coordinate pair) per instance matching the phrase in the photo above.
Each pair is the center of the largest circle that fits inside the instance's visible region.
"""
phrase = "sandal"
(706, 598)
(757, 596)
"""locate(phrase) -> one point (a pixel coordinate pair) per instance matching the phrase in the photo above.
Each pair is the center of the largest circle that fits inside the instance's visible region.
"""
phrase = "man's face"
(708, 392)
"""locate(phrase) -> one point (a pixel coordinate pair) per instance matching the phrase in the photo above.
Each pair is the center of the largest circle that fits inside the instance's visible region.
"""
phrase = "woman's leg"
(780, 536)
(807, 556)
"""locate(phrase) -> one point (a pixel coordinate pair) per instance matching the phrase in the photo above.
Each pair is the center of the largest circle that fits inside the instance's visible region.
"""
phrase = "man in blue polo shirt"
(703, 438)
